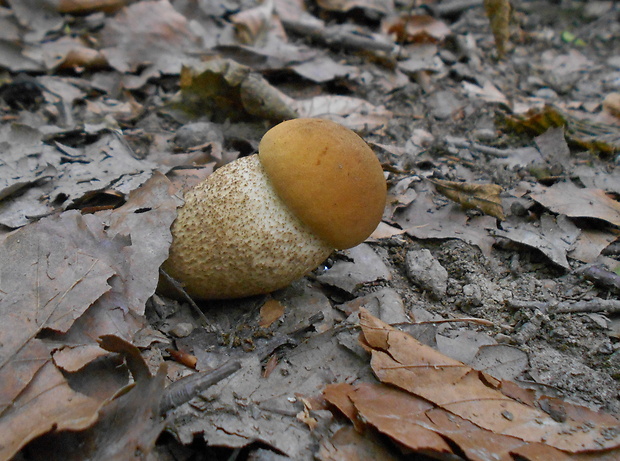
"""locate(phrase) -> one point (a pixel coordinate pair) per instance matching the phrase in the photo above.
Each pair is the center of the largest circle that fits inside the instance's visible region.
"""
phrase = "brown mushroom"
(263, 221)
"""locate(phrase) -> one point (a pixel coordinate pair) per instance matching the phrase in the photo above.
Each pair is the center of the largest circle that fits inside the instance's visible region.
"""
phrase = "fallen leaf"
(354, 113)
(417, 28)
(400, 360)
(348, 444)
(554, 236)
(150, 33)
(425, 219)
(568, 199)
(128, 426)
(271, 311)
(75, 277)
(483, 197)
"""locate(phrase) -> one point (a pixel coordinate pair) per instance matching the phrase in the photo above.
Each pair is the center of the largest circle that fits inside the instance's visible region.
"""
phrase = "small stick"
(177, 286)
(187, 388)
(610, 306)
(487, 323)
(334, 37)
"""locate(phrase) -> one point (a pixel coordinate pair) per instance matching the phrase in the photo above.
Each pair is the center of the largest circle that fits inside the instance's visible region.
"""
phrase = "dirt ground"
(460, 280)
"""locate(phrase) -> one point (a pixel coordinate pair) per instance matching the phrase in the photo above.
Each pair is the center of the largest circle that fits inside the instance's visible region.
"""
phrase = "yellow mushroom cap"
(328, 176)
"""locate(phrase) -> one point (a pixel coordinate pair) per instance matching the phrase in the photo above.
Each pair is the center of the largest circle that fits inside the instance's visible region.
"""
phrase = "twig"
(335, 37)
(187, 388)
(601, 277)
(610, 306)
(492, 151)
(455, 7)
(540, 305)
(177, 286)
(487, 323)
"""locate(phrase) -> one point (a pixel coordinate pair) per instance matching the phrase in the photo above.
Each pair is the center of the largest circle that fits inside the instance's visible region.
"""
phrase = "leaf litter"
(508, 224)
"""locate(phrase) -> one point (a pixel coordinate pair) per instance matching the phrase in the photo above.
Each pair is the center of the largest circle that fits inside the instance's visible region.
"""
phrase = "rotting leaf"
(483, 197)
(400, 360)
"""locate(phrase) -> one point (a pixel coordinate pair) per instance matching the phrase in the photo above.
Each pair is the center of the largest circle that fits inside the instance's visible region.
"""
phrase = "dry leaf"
(128, 426)
(553, 236)
(581, 129)
(75, 277)
(252, 24)
(354, 113)
(418, 28)
(424, 219)
(147, 33)
(483, 197)
(88, 6)
(348, 444)
(271, 311)
(568, 199)
(611, 104)
(400, 360)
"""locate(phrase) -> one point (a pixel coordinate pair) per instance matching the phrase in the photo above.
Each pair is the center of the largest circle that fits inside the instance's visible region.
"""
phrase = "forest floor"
(519, 281)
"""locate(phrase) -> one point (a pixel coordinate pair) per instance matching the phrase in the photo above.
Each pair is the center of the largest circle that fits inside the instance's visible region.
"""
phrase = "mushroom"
(263, 221)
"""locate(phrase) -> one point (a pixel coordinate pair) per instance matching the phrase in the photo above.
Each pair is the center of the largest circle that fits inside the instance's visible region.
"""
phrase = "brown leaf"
(417, 28)
(127, 427)
(424, 219)
(271, 311)
(348, 444)
(568, 199)
(36, 410)
(77, 277)
(401, 360)
(338, 395)
(397, 414)
(498, 12)
(484, 197)
(87, 6)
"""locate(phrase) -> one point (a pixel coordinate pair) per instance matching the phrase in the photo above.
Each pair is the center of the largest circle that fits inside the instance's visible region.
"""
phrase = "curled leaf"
(483, 197)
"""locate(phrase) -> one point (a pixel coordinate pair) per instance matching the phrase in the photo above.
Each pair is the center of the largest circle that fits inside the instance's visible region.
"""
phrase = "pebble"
(182, 330)
(427, 273)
